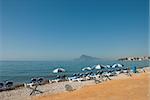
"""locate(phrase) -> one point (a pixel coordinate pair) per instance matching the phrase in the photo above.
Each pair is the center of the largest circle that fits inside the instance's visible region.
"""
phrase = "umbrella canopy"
(86, 68)
(58, 70)
(98, 66)
(117, 65)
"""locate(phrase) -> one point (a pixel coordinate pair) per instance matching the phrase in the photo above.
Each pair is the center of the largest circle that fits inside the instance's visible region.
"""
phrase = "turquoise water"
(23, 71)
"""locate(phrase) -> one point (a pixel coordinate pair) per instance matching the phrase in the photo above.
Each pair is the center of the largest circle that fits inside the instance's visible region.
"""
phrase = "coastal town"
(135, 58)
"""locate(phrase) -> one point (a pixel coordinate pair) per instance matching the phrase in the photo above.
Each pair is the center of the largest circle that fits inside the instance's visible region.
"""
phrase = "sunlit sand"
(131, 88)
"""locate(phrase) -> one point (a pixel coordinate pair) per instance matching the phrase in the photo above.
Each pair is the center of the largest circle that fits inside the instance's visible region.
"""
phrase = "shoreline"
(57, 88)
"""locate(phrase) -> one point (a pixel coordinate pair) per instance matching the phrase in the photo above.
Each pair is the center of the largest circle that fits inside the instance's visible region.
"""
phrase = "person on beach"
(128, 72)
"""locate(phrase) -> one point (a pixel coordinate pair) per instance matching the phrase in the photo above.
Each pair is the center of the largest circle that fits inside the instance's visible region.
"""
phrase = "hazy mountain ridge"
(87, 58)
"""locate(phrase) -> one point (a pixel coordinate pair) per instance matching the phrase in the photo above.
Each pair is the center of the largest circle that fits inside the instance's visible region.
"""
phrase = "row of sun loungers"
(102, 74)
(91, 75)
(35, 81)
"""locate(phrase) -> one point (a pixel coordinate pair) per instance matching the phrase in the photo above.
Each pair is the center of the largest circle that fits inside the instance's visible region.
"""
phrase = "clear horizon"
(66, 29)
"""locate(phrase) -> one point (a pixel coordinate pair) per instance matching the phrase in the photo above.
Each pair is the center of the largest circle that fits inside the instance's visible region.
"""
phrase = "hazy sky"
(65, 29)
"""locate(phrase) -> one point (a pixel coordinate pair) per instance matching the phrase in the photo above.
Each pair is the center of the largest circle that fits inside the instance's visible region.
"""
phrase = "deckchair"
(35, 90)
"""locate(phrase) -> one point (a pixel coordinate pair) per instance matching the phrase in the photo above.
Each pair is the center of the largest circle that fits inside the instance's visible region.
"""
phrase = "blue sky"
(65, 29)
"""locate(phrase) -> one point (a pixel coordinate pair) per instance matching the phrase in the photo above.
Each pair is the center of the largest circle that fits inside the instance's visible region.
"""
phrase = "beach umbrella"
(86, 68)
(100, 66)
(117, 65)
(58, 70)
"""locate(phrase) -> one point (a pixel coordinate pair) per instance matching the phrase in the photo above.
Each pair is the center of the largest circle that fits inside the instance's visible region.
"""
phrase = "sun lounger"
(73, 79)
(7, 85)
(55, 80)
(29, 84)
(118, 72)
(94, 76)
(32, 83)
(41, 81)
(59, 79)
(87, 78)
(35, 81)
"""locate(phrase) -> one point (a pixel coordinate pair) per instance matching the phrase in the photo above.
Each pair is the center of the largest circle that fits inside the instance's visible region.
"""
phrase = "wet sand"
(136, 87)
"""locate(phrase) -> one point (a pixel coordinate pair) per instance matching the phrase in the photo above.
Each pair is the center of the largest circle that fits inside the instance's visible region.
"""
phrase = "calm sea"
(23, 71)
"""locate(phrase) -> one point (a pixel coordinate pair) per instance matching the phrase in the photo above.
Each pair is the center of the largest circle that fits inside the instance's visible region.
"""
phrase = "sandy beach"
(133, 88)
(121, 87)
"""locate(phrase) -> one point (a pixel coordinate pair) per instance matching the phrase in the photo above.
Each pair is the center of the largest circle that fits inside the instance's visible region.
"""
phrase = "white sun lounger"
(73, 79)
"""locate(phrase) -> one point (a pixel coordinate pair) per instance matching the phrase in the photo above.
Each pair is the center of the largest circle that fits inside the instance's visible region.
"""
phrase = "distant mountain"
(87, 58)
